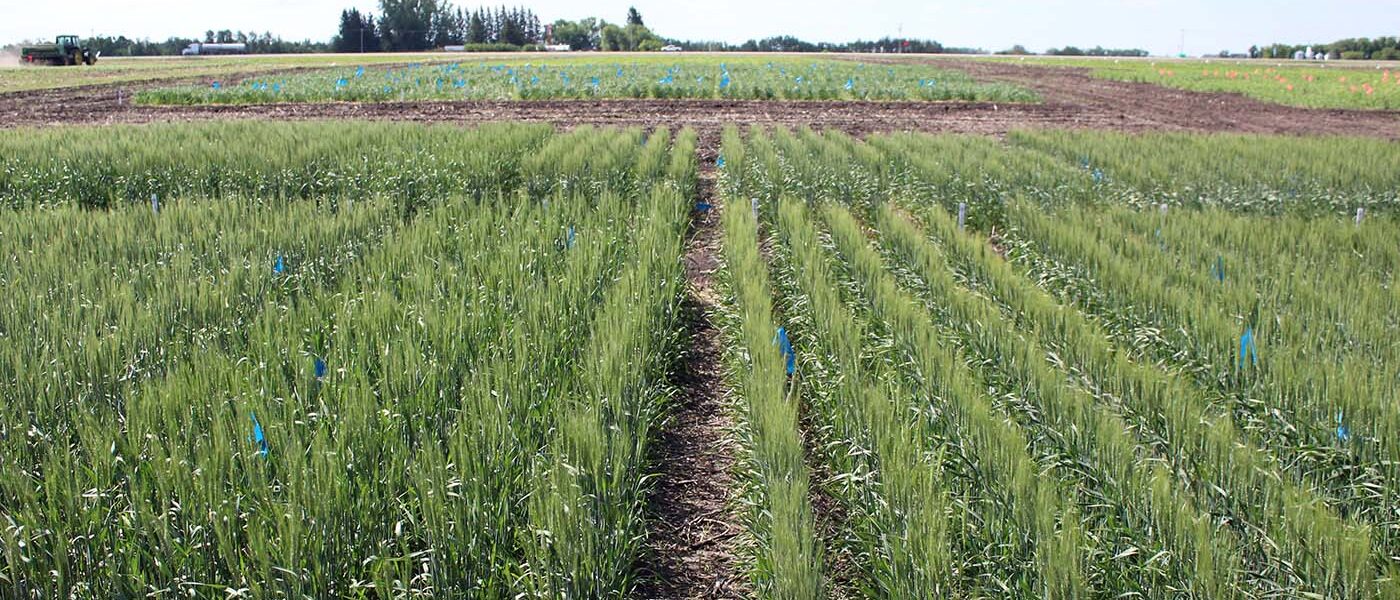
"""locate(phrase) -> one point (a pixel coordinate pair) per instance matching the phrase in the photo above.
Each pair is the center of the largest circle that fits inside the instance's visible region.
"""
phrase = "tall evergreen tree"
(405, 25)
(348, 37)
(476, 29)
(511, 33)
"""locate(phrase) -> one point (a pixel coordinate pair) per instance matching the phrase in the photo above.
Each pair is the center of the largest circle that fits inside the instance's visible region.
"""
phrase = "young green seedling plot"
(285, 393)
(717, 77)
(1185, 463)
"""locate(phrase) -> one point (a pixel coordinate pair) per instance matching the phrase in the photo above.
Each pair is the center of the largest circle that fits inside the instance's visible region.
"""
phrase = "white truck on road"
(204, 49)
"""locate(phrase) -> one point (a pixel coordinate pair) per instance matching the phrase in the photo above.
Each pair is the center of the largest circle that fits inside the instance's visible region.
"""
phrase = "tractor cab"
(69, 46)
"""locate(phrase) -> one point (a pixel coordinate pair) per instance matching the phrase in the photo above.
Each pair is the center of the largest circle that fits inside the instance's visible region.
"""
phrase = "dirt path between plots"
(692, 547)
(1073, 99)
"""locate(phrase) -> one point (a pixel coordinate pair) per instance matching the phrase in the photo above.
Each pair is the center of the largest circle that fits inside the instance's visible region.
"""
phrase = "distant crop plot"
(709, 77)
(130, 71)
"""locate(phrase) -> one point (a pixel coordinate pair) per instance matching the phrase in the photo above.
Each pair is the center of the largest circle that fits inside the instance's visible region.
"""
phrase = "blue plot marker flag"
(784, 345)
(279, 267)
(1218, 272)
(703, 206)
(1248, 348)
(1342, 433)
(719, 161)
(320, 367)
(258, 437)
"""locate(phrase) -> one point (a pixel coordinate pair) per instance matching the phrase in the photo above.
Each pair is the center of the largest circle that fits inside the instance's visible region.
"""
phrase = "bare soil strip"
(692, 548)
(1148, 106)
(100, 105)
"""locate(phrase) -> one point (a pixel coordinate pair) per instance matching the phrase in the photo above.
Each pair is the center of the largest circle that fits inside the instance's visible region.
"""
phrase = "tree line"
(1096, 51)
(258, 43)
(425, 24)
(415, 25)
(597, 34)
(1381, 48)
(787, 43)
(418, 25)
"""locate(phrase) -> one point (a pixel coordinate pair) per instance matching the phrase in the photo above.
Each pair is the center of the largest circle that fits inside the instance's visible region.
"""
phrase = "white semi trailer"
(203, 49)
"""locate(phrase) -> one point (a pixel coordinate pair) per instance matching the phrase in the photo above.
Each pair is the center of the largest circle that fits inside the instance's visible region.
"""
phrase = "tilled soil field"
(108, 105)
(1155, 107)
(1073, 99)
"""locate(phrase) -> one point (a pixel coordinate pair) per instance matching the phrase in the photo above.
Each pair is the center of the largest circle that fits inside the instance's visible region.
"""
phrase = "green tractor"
(64, 51)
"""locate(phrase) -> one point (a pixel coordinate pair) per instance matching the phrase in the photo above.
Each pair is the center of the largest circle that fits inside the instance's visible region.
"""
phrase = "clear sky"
(1155, 25)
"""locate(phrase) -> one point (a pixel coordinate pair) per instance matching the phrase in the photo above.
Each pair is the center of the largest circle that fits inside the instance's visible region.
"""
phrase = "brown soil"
(101, 105)
(693, 545)
(1143, 106)
(1073, 99)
